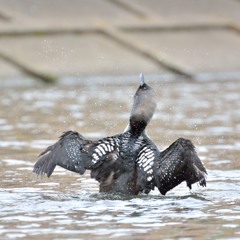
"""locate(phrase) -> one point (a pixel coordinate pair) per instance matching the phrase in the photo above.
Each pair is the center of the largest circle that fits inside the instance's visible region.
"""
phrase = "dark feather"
(68, 153)
(178, 163)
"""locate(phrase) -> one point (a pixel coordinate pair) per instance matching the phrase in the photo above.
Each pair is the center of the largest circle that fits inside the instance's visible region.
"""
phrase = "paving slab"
(188, 12)
(8, 70)
(194, 51)
(119, 37)
(76, 54)
(45, 14)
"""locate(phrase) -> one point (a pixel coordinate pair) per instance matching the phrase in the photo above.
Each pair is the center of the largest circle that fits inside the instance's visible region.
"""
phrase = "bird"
(130, 162)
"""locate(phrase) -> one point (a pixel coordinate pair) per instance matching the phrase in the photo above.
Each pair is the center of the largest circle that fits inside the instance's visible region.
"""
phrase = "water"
(68, 206)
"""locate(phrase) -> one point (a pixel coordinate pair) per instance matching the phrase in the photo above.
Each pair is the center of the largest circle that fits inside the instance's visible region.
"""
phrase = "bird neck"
(135, 129)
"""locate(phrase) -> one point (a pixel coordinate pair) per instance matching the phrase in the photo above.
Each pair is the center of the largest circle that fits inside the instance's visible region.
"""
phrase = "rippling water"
(68, 206)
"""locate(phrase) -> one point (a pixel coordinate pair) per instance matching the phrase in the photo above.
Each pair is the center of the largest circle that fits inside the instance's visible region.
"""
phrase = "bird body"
(128, 163)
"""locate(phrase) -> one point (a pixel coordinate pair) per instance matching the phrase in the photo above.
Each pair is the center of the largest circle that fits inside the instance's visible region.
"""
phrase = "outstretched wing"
(75, 153)
(178, 163)
(69, 152)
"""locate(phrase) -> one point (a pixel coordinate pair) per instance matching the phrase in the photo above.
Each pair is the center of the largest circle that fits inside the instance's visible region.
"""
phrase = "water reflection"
(69, 206)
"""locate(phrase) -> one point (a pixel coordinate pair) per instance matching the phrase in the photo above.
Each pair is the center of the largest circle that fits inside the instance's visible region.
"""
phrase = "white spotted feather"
(145, 161)
(104, 148)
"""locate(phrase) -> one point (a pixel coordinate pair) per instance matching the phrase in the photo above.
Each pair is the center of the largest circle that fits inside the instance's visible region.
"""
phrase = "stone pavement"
(51, 39)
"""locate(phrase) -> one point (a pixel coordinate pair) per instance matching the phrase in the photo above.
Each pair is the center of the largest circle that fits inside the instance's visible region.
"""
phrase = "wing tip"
(203, 182)
(41, 172)
(200, 179)
(44, 166)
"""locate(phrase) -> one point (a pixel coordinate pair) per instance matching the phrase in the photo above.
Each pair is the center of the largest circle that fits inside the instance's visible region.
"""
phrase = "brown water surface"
(68, 206)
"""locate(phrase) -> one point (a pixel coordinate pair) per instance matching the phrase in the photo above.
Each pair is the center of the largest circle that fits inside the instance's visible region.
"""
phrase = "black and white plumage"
(128, 163)
(178, 163)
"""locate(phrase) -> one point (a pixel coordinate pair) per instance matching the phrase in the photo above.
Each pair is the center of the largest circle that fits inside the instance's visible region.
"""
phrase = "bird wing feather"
(178, 163)
(68, 152)
(75, 153)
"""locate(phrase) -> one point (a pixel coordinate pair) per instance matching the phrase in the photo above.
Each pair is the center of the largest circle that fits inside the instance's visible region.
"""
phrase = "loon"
(129, 162)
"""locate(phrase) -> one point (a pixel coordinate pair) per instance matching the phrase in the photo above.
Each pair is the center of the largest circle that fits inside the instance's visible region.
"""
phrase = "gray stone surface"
(194, 51)
(8, 70)
(188, 12)
(72, 54)
(119, 37)
(64, 14)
